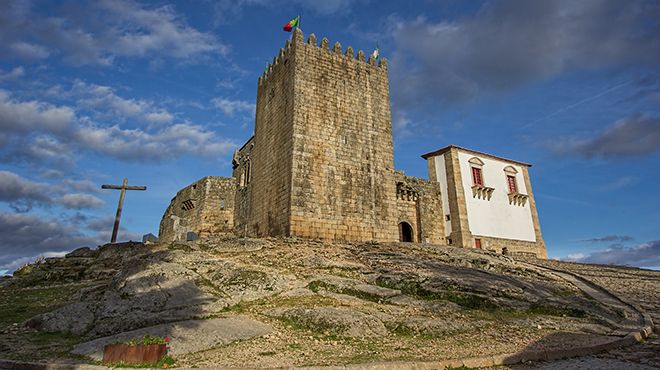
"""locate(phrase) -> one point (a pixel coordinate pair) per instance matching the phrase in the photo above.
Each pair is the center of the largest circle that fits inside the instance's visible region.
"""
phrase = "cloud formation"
(645, 255)
(14, 74)
(22, 194)
(80, 201)
(37, 122)
(609, 239)
(230, 107)
(103, 101)
(227, 10)
(99, 32)
(510, 43)
(25, 237)
(636, 135)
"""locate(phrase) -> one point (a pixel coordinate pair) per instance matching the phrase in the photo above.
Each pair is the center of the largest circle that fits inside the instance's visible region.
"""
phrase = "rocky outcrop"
(136, 286)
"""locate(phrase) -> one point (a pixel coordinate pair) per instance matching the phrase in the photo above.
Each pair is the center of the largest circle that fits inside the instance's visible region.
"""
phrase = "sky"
(162, 93)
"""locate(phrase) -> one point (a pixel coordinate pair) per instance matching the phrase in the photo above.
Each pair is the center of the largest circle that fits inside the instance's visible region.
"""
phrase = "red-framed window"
(477, 179)
(511, 181)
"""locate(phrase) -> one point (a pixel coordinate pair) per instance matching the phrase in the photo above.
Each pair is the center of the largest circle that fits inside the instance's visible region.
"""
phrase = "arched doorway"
(405, 232)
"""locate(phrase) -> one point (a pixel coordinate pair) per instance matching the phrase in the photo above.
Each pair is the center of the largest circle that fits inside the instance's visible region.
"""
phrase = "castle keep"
(321, 165)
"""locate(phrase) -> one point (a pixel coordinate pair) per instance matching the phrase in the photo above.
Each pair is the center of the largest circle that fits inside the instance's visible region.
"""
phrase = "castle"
(321, 165)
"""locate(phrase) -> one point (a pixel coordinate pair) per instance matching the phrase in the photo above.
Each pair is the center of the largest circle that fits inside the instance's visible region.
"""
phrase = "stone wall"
(343, 161)
(322, 162)
(205, 207)
(419, 203)
(242, 172)
(512, 247)
(269, 191)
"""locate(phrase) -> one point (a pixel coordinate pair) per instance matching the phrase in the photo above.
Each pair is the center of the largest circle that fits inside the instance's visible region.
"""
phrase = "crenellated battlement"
(297, 42)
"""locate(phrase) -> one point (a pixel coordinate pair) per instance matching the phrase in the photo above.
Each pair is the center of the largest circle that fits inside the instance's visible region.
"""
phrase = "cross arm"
(119, 187)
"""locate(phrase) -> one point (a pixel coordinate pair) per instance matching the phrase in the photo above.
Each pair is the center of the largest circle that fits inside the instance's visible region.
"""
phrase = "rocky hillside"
(318, 303)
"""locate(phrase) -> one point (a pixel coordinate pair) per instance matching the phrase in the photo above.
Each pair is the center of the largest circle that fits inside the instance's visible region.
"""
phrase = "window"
(447, 217)
(476, 165)
(479, 190)
(511, 181)
(222, 204)
(477, 179)
(515, 198)
(510, 172)
(187, 205)
(477, 243)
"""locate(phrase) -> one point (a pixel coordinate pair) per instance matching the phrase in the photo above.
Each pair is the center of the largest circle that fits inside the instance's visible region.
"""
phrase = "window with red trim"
(511, 181)
(476, 176)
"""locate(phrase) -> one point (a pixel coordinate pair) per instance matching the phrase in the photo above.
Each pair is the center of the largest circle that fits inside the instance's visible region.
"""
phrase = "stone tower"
(320, 164)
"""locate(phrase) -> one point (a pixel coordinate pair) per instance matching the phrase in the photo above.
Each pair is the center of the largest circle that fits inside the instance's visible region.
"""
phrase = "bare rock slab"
(187, 336)
(340, 321)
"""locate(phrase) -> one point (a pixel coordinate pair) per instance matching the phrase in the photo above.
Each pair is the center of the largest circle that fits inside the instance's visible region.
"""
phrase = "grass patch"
(204, 282)
(316, 285)
(415, 288)
(556, 311)
(163, 363)
(407, 332)
(42, 338)
(18, 305)
(182, 247)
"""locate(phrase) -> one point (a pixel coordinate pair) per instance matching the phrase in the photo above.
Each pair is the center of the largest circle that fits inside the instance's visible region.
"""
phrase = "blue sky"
(162, 93)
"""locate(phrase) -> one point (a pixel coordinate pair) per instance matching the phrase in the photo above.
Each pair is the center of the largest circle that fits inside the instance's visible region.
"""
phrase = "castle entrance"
(405, 232)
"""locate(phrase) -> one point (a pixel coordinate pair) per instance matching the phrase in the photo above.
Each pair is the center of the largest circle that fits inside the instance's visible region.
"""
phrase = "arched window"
(405, 232)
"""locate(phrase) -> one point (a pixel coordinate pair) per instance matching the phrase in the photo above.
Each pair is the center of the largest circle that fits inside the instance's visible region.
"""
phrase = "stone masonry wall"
(270, 185)
(513, 247)
(419, 203)
(205, 207)
(242, 172)
(342, 157)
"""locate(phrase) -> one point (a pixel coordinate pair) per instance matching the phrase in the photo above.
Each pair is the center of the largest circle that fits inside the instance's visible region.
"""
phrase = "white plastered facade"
(496, 216)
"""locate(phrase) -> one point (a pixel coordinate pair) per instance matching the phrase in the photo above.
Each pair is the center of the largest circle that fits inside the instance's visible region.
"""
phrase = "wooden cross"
(124, 186)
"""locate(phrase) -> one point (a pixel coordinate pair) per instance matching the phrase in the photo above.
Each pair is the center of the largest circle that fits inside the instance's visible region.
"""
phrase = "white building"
(487, 201)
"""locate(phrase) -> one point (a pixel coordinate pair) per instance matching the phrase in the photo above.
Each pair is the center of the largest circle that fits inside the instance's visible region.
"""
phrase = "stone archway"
(405, 232)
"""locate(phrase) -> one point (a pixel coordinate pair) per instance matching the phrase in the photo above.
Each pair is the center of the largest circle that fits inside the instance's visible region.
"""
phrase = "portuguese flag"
(293, 23)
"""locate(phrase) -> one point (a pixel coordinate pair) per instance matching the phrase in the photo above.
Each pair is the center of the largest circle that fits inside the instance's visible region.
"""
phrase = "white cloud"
(641, 255)
(26, 116)
(81, 185)
(105, 101)
(628, 137)
(228, 10)
(21, 193)
(109, 29)
(576, 256)
(80, 201)
(56, 125)
(508, 44)
(159, 117)
(26, 50)
(25, 237)
(14, 74)
(230, 107)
